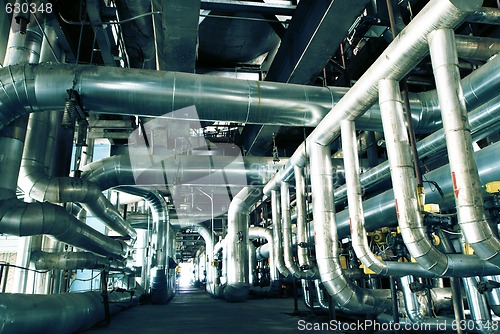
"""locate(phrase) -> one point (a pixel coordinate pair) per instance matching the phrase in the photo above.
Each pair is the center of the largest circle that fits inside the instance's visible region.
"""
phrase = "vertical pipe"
(348, 296)
(305, 262)
(277, 236)
(464, 173)
(477, 304)
(287, 231)
(403, 181)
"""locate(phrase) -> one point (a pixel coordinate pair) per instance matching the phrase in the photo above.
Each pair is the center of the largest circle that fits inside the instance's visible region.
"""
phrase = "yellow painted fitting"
(468, 249)
(421, 197)
(343, 262)
(434, 208)
(493, 187)
(436, 240)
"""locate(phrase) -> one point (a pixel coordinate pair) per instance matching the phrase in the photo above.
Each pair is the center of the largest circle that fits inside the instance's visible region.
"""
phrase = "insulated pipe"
(405, 195)
(477, 305)
(217, 288)
(265, 233)
(72, 260)
(287, 233)
(407, 49)
(464, 173)
(403, 181)
(277, 235)
(288, 105)
(486, 15)
(380, 210)
(305, 263)
(180, 169)
(480, 48)
(413, 304)
(160, 293)
(482, 121)
(24, 219)
(206, 234)
(61, 313)
(356, 216)
(35, 182)
(348, 296)
(237, 287)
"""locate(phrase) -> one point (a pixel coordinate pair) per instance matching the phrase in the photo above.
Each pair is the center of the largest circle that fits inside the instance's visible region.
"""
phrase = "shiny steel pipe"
(61, 313)
(477, 305)
(265, 233)
(305, 262)
(407, 49)
(482, 121)
(73, 260)
(277, 235)
(403, 181)
(237, 287)
(479, 48)
(356, 216)
(486, 15)
(207, 236)
(38, 185)
(24, 219)
(464, 172)
(286, 229)
(348, 296)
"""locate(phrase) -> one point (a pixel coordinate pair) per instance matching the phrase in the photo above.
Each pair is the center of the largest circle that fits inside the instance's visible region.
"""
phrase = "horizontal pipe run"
(407, 49)
(61, 313)
(72, 260)
(25, 219)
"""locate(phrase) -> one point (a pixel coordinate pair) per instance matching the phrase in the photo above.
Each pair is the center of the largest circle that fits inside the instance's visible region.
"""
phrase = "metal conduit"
(405, 195)
(160, 294)
(72, 260)
(482, 121)
(486, 15)
(237, 287)
(305, 263)
(277, 235)
(407, 49)
(356, 216)
(464, 172)
(265, 233)
(287, 233)
(479, 48)
(348, 296)
(207, 235)
(35, 182)
(61, 313)
(157, 93)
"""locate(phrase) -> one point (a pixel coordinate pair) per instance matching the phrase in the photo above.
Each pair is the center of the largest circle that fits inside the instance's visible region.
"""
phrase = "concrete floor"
(195, 311)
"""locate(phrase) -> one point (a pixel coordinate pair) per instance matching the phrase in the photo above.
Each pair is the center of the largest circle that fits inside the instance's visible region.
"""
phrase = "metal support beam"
(232, 6)
(176, 31)
(103, 35)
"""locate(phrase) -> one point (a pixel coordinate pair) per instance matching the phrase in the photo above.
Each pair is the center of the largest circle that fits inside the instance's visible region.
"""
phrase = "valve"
(487, 286)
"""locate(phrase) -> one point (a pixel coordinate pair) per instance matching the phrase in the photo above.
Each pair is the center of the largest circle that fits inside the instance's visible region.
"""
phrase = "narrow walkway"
(195, 311)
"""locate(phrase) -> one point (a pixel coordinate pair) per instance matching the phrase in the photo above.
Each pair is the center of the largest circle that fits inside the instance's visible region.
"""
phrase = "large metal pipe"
(160, 294)
(61, 313)
(237, 287)
(158, 93)
(407, 203)
(407, 49)
(356, 217)
(380, 211)
(265, 233)
(480, 48)
(23, 219)
(37, 184)
(277, 235)
(477, 305)
(482, 121)
(305, 263)
(72, 260)
(464, 173)
(286, 229)
(348, 296)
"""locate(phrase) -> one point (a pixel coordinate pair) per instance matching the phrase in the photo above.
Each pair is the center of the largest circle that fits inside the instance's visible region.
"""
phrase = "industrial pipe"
(407, 49)
(277, 235)
(73, 260)
(348, 296)
(237, 287)
(265, 233)
(464, 173)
